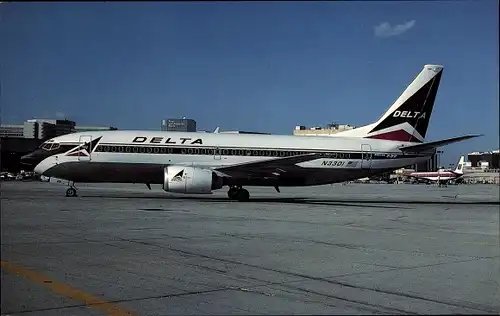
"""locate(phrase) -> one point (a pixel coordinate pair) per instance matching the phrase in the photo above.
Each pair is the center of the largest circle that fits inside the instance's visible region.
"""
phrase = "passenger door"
(86, 150)
(366, 156)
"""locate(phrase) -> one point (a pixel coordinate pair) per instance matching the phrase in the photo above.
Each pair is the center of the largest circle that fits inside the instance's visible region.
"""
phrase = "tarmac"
(339, 249)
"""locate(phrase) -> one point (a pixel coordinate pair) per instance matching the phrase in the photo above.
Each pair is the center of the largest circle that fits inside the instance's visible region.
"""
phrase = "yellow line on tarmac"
(66, 290)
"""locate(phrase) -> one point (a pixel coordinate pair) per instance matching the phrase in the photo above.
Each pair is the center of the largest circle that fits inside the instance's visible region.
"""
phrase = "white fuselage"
(442, 175)
(139, 156)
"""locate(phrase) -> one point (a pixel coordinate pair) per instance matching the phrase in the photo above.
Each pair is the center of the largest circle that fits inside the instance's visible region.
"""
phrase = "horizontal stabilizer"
(436, 144)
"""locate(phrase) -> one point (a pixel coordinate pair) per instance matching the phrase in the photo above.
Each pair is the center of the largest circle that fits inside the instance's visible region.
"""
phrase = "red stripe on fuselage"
(432, 174)
(399, 135)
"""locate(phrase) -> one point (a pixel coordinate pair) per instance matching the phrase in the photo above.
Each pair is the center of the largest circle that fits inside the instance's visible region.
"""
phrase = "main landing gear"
(238, 193)
(71, 191)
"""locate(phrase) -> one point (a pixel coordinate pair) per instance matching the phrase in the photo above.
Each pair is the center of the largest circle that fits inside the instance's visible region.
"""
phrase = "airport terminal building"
(37, 129)
(485, 160)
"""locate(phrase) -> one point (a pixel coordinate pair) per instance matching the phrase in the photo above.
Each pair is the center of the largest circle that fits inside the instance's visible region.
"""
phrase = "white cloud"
(60, 115)
(384, 29)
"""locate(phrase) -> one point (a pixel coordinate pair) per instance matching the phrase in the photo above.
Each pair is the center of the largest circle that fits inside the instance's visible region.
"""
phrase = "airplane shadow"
(253, 200)
(300, 200)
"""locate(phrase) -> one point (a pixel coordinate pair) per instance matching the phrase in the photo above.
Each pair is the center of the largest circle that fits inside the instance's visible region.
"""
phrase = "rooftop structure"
(79, 128)
(330, 129)
(243, 132)
(178, 125)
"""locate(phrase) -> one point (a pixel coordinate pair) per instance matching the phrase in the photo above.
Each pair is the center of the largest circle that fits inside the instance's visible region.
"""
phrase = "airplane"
(442, 176)
(199, 163)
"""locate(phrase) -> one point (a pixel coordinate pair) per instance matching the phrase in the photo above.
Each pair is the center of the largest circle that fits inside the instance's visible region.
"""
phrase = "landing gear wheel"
(238, 193)
(71, 192)
(243, 195)
(231, 194)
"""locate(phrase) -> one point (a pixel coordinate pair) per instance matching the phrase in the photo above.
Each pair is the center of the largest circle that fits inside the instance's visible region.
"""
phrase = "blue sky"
(262, 66)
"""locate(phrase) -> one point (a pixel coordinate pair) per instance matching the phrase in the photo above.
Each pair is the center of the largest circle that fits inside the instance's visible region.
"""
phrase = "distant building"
(178, 125)
(45, 129)
(429, 165)
(485, 160)
(243, 132)
(216, 131)
(11, 130)
(38, 129)
(80, 129)
(12, 149)
(330, 129)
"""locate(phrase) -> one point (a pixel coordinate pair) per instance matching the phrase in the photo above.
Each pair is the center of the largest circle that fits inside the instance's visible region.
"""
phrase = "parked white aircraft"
(442, 176)
(198, 163)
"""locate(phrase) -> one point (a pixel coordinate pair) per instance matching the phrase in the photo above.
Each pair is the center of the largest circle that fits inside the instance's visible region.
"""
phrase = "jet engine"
(190, 180)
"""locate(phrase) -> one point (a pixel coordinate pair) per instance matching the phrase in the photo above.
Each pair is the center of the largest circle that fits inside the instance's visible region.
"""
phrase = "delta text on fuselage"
(167, 140)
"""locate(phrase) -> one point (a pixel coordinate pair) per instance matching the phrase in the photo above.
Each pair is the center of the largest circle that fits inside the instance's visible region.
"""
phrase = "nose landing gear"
(238, 193)
(71, 191)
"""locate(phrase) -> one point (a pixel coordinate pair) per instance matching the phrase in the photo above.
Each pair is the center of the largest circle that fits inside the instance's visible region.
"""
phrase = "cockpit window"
(44, 144)
(49, 146)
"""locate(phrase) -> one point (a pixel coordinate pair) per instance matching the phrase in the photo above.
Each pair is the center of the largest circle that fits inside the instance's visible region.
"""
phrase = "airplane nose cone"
(38, 169)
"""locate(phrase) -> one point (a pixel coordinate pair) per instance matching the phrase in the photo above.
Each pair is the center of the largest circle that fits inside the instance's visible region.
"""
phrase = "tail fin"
(460, 165)
(408, 118)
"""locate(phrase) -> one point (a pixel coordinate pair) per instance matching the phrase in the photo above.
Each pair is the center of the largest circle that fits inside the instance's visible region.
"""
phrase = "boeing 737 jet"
(442, 176)
(198, 163)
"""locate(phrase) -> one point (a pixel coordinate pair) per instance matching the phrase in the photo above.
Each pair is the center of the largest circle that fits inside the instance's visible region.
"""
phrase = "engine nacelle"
(190, 180)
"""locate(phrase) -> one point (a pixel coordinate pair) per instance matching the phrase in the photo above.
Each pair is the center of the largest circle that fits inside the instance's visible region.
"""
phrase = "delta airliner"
(198, 163)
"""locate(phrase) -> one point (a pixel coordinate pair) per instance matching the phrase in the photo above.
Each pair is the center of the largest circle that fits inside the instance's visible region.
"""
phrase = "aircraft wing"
(267, 167)
(433, 145)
